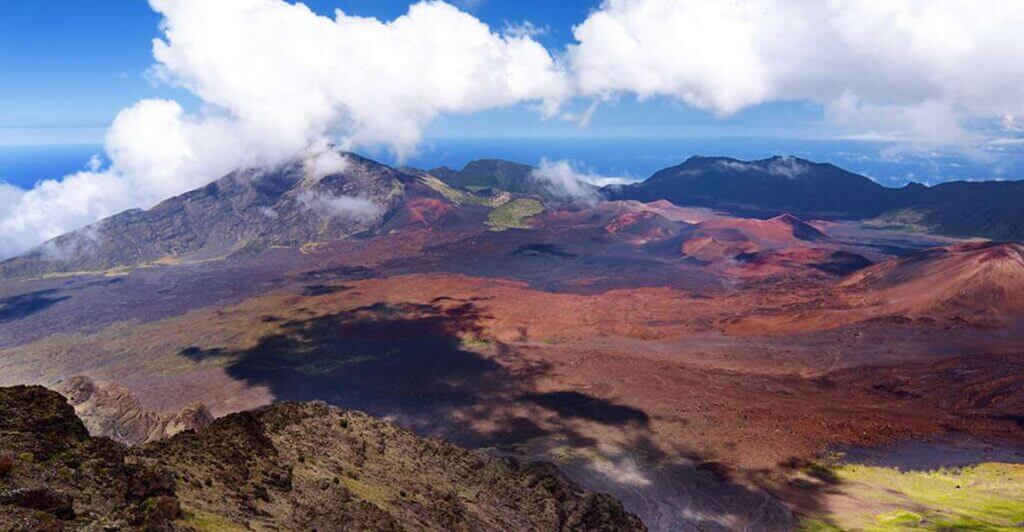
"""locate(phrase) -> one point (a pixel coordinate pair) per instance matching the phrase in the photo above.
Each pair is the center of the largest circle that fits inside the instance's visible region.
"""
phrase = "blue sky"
(69, 67)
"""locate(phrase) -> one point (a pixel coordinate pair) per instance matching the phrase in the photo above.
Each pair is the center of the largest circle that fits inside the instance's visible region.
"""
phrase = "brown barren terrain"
(687, 362)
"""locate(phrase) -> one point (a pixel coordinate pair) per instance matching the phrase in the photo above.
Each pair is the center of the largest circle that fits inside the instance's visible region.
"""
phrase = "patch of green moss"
(475, 343)
(460, 196)
(909, 220)
(900, 519)
(381, 496)
(514, 214)
(987, 496)
(822, 473)
(206, 521)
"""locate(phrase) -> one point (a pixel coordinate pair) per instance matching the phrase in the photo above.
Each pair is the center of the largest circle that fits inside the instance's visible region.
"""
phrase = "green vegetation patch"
(988, 496)
(909, 219)
(514, 214)
(381, 496)
(463, 197)
(206, 521)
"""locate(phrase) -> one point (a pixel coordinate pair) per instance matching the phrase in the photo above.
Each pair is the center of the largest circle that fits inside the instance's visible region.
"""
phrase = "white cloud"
(563, 179)
(918, 70)
(289, 77)
(346, 207)
(156, 151)
(277, 82)
(787, 166)
(621, 470)
(94, 164)
(323, 163)
(524, 29)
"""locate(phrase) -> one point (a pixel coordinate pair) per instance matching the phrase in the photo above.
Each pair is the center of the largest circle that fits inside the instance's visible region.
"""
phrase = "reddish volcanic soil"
(690, 389)
(785, 229)
(959, 279)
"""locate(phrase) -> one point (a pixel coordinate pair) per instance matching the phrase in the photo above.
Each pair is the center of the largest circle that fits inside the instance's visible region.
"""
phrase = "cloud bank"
(277, 81)
(914, 70)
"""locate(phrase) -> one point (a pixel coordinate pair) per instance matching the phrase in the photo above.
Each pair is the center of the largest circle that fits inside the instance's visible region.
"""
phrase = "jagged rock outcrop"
(292, 466)
(63, 479)
(112, 411)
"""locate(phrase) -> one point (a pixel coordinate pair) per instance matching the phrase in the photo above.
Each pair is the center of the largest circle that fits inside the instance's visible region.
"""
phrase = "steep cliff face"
(296, 466)
(112, 411)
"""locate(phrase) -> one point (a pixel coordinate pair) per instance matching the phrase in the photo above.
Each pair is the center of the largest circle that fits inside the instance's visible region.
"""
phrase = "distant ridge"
(769, 187)
(251, 209)
(492, 173)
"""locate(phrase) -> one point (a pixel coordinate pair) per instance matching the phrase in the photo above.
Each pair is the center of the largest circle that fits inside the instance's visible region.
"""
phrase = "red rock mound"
(782, 229)
(727, 238)
(964, 278)
(640, 227)
(713, 249)
(823, 260)
(427, 211)
(423, 212)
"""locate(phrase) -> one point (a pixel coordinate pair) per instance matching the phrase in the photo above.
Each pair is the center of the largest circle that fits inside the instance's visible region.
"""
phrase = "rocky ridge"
(286, 466)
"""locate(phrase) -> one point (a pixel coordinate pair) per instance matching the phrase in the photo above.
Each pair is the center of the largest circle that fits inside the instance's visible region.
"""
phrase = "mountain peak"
(762, 187)
(310, 200)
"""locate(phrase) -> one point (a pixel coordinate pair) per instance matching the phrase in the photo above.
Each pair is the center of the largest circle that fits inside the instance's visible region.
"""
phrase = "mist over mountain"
(252, 209)
(249, 209)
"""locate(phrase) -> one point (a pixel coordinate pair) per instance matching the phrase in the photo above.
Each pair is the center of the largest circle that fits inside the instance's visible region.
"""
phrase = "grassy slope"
(462, 197)
(514, 214)
(988, 496)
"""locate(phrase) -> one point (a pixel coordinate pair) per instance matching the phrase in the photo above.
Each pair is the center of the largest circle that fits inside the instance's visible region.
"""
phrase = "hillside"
(992, 209)
(251, 210)
(962, 279)
(293, 466)
(245, 210)
(492, 173)
(778, 184)
(813, 190)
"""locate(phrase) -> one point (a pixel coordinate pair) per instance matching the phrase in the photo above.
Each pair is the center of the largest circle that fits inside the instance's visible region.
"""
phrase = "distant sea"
(637, 158)
(24, 166)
